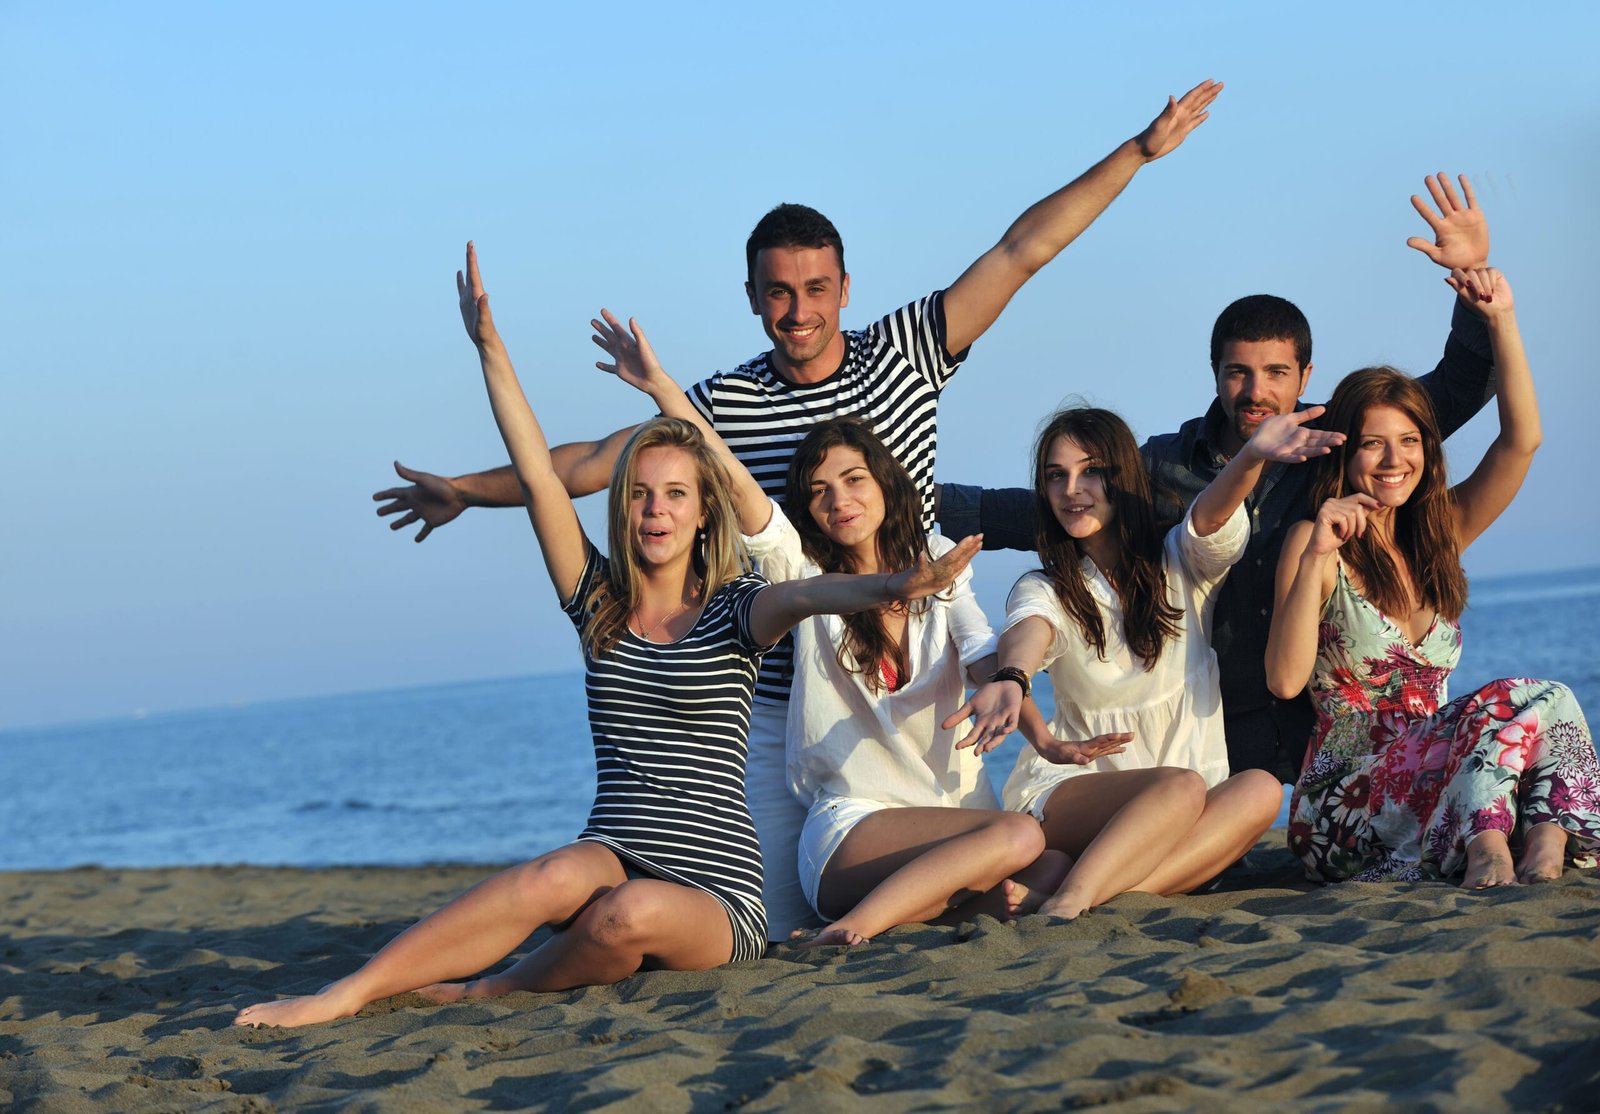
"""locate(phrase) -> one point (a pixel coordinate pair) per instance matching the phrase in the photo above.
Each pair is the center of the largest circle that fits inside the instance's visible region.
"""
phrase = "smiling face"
(1075, 488)
(847, 502)
(1256, 379)
(1386, 460)
(664, 511)
(798, 293)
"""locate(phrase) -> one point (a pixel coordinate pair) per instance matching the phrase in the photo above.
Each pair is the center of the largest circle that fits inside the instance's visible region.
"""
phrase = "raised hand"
(475, 303)
(635, 361)
(994, 709)
(1460, 233)
(1286, 439)
(928, 577)
(431, 500)
(1339, 520)
(1061, 752)
(1483, 290)
(1181, 116)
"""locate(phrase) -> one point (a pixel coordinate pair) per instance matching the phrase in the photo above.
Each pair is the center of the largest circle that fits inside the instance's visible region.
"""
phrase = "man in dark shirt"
(1261, 360)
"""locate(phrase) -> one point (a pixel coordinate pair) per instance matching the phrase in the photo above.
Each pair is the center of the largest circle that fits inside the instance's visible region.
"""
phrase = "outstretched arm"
(1283, 438)
(635, 363)
(782, 605)
(1484, 495)
(1036, 237)
(550, 509)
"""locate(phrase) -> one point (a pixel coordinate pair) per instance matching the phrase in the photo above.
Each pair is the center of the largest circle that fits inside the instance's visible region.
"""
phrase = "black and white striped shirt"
(670, 723)
(891, 376)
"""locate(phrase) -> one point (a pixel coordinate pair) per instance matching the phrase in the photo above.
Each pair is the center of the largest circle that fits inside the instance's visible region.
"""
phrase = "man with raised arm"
(1261, 363)
(890, 373)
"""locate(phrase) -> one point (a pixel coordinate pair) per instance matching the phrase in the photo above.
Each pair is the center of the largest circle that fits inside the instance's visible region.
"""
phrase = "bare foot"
(834, 936)
(1067, 903)
(308, 1009)
(1032, 886)
(1544, 854)
(443, 993)
(1489, 863)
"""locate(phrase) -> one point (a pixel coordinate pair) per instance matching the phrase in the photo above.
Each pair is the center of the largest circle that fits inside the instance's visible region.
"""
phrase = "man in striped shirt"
(890, 373)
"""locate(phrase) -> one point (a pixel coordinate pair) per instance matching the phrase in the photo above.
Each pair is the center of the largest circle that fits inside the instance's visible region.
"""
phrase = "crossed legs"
(1155, 830)
(915, 865)
(611, 926)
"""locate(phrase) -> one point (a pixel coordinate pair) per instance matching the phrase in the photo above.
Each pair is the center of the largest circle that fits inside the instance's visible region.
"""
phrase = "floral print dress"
(1394, 784)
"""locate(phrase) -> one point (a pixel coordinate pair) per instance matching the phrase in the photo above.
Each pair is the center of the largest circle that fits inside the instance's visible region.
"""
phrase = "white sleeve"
(1034, 597)
(974, 638)
(1207, 560)
(776, 549)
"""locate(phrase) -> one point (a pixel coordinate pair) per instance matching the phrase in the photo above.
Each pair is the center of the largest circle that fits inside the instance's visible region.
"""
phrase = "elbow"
(1283, 684)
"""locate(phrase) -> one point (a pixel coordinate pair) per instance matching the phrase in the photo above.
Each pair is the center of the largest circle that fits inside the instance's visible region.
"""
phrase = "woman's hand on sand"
(929, 577)
(1286, 439)
(1339, 520)
(475, 303)
(633, 359)
(1483, 290)
(1064, 752)
(995, 710)
(1460, 232)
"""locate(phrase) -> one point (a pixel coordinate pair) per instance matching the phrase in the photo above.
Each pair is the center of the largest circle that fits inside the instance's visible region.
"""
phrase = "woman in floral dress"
(1398, 784)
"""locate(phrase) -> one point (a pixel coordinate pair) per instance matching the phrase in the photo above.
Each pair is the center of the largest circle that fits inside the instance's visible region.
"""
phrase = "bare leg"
(1235, 815)
(643, 922)
(909, 865)
(473, 931)
(1489, 862)
(1544, 853)
(1121, 825)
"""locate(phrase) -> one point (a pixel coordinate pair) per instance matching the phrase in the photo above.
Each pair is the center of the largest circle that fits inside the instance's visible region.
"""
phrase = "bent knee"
(1255, 792)
(622, 917)
(1181, 784)
(560, 876)
(1024, 838)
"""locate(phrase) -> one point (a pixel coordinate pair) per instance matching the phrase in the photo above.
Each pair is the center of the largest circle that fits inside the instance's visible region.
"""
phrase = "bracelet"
(1012, 673)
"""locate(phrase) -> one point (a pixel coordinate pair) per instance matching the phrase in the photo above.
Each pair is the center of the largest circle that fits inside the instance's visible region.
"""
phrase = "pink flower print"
(1493, 699)
(1517, 740)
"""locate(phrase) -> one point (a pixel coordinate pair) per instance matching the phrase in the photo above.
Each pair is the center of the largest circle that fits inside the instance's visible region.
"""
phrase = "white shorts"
(828, 822)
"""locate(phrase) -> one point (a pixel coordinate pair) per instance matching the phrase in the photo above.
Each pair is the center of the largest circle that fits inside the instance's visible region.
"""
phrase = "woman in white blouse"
(902, 827)
(1120, 614)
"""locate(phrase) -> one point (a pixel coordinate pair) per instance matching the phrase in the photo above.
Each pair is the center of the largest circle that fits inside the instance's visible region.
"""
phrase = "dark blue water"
(483, 772)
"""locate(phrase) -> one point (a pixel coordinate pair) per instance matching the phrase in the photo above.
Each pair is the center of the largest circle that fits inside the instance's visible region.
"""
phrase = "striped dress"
(669, 724)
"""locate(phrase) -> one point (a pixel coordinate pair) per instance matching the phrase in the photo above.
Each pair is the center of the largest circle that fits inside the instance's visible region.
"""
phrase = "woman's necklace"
(661, 622)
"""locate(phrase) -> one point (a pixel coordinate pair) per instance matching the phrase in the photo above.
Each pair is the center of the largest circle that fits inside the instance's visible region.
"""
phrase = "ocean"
(483, 772)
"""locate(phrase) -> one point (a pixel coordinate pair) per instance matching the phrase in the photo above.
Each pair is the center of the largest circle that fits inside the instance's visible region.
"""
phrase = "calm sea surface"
(485, 772)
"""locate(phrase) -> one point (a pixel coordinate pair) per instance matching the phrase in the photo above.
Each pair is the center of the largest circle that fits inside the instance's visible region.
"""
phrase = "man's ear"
(844, 290)
(1305, 377)
(750, 292)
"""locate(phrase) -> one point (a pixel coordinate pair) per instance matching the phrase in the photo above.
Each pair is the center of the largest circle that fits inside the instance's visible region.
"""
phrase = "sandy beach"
(118, 987)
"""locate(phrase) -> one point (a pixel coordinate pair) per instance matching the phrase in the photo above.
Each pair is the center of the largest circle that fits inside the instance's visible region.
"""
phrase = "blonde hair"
(719, 552)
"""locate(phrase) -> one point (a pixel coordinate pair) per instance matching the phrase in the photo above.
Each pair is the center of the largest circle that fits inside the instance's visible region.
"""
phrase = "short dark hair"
(1262, 317)
(791, 226)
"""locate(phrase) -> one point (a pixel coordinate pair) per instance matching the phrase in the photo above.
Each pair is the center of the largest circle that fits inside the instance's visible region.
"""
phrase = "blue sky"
(231, 233)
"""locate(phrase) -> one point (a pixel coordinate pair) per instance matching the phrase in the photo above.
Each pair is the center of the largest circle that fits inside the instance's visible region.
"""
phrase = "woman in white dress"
(1120, 615)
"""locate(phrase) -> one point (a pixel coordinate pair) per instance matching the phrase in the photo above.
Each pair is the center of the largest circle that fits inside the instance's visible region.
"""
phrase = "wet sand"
(118, 989)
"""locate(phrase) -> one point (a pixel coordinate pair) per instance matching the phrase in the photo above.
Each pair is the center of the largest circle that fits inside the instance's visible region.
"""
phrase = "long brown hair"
(1148, 620)
(901, 540)
(1424, 525)
(719, 552)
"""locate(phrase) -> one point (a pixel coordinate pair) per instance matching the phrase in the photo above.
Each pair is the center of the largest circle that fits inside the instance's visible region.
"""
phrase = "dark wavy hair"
(1148, 620)
(901, 540)
(1424, 526)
